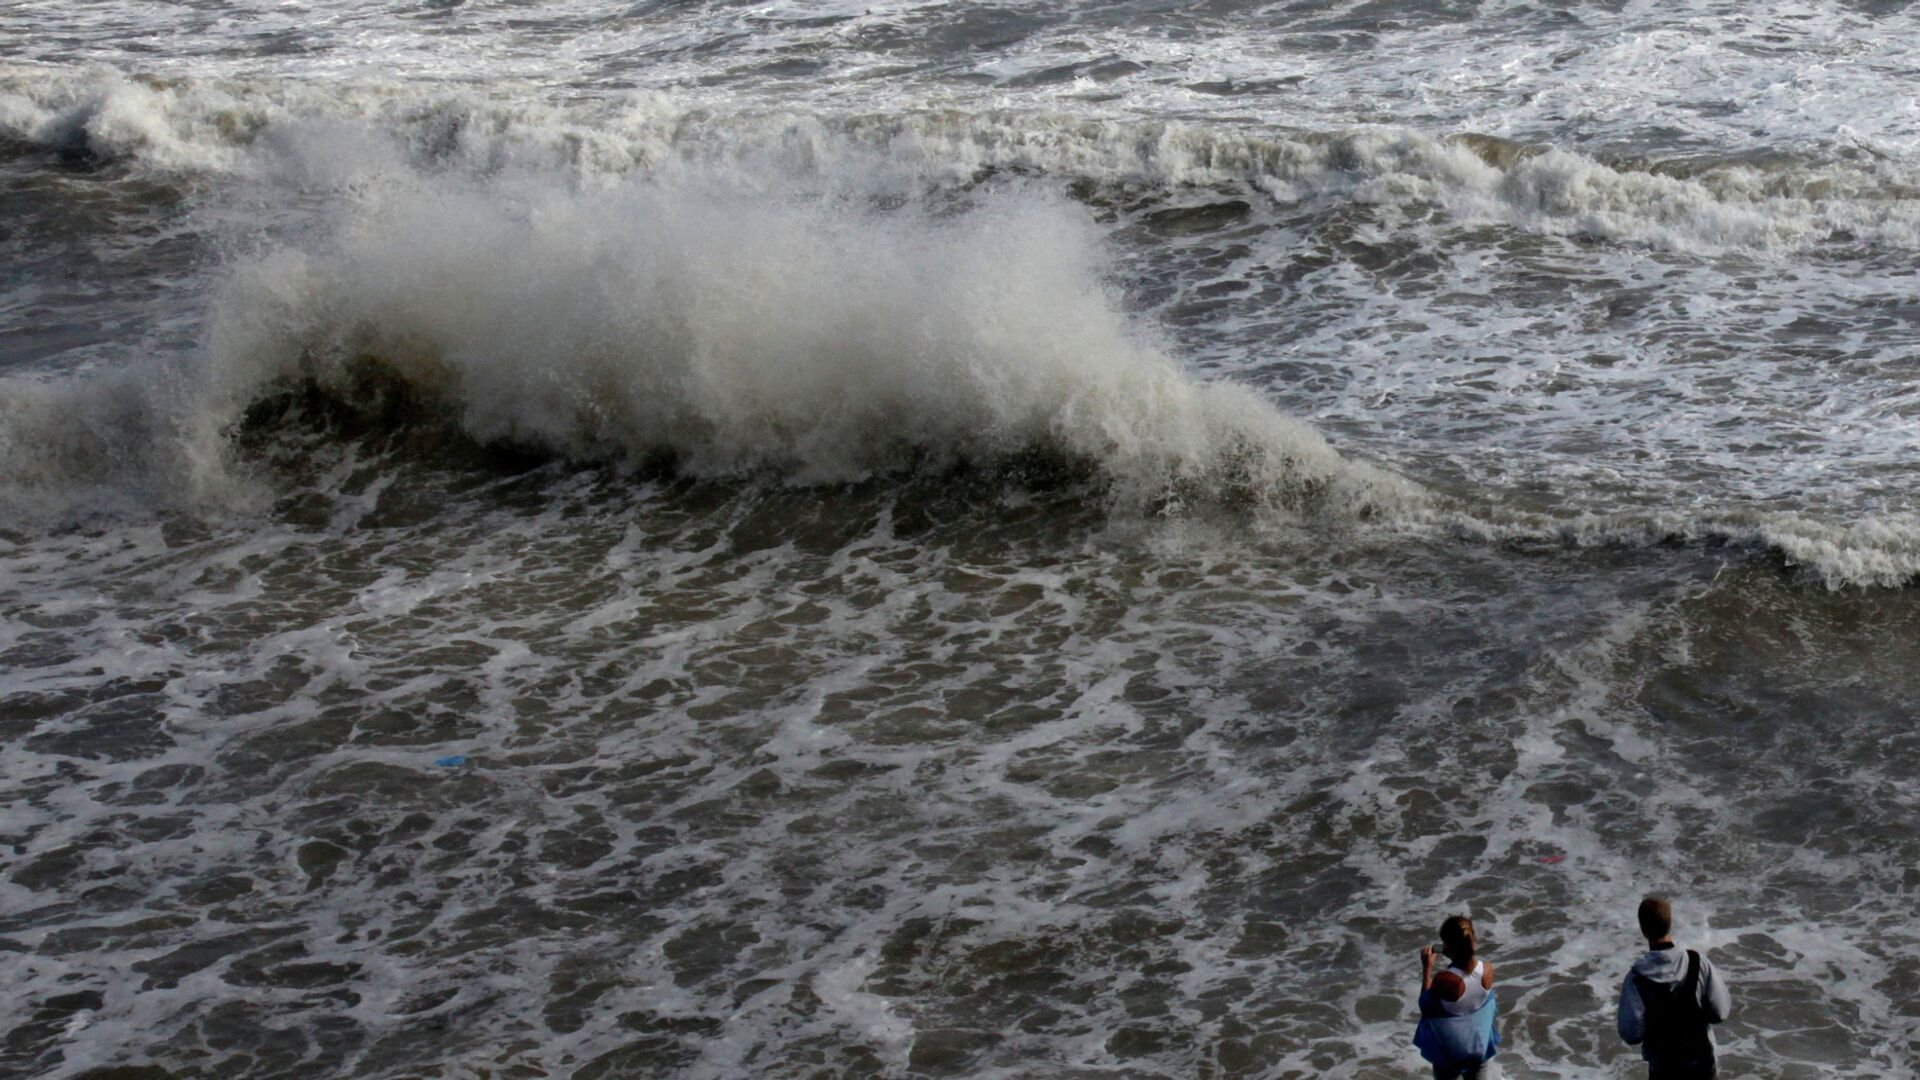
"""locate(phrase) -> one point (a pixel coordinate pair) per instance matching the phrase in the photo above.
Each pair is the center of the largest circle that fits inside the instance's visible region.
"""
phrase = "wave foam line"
(305, 132)
(1880, 551)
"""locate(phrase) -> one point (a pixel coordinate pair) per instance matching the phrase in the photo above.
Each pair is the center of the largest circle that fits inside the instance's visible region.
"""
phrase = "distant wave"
(307, 132)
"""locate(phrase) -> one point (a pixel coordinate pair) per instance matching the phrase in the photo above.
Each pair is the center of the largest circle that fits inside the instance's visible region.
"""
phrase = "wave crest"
(302, 132)
(817, 341)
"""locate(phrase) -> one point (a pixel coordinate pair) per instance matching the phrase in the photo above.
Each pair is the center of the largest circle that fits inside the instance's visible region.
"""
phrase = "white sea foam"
(266, 127)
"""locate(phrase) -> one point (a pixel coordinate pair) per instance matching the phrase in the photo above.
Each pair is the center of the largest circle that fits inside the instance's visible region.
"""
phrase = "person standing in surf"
(1456, 1033)
(1670, 1001)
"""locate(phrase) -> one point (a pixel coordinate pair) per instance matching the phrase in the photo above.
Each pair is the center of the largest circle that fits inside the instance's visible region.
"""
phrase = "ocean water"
(975, 539)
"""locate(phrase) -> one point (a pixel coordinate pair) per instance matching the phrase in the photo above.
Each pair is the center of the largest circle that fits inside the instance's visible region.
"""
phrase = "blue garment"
(1456, 1040)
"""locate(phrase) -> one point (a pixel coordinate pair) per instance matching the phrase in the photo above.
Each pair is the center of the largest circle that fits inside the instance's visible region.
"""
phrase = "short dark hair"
(1456, 939)
(1656, 918)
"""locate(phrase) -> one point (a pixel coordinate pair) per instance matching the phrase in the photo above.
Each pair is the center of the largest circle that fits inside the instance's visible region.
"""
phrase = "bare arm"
(1426, 968)
(1486, 975)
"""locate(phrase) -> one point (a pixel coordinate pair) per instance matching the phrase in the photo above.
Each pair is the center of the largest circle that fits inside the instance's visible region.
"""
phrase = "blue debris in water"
(451, 760)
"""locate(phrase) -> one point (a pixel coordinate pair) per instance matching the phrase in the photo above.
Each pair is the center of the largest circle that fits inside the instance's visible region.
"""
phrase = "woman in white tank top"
(1458, 991)
(1466, 980)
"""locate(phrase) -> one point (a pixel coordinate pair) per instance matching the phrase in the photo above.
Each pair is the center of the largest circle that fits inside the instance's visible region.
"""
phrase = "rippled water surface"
(950, 539)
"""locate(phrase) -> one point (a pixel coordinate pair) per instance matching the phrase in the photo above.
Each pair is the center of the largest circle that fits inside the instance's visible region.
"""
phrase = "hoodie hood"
(1662, 965)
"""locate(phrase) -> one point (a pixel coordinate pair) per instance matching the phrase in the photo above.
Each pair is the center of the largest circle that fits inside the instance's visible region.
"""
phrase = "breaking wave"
(682, 311)
(818, 341)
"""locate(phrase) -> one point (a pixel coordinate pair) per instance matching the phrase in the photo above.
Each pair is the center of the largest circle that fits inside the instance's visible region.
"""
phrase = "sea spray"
(113, 443)
(820, 340)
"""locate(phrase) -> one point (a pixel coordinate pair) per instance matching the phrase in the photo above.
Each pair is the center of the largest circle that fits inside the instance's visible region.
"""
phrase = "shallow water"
(989, 540)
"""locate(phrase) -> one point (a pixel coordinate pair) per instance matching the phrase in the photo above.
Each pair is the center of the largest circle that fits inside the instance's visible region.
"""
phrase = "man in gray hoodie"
(1669, 1000)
